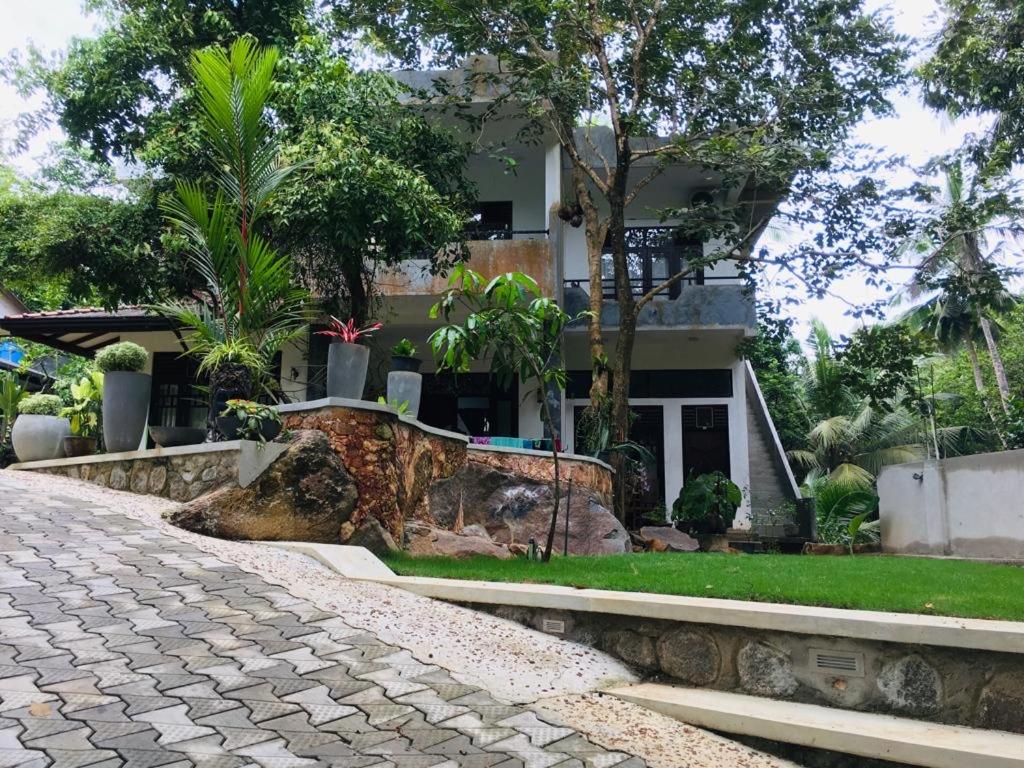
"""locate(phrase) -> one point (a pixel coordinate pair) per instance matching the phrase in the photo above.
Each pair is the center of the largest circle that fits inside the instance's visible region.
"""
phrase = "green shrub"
(125, 356)
(707, 504)
(404, 348)
(41, 405)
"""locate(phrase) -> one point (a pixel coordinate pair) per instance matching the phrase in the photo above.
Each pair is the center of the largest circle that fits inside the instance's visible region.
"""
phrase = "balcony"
(492, 251)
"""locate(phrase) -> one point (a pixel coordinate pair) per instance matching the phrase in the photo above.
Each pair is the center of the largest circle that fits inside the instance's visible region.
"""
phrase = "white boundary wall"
(968, 506)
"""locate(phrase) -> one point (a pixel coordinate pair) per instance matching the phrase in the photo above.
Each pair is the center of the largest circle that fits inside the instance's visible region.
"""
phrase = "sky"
(914, 131)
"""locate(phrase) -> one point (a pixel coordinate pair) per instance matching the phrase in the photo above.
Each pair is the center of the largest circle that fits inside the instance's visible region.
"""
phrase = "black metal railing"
(642, 285)
(479, 232)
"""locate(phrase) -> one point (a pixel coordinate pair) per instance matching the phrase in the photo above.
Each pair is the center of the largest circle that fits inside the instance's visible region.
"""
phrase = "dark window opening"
(179, 398)
(492, 220)
(682, 384)
(705, 440)
(470, 403)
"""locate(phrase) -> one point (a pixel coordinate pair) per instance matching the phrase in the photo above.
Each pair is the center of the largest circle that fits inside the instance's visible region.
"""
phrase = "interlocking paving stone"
(121, 646)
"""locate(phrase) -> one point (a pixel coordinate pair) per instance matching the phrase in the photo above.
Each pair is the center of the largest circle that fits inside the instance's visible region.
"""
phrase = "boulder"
(424, 540)
(514, 509)
(766, 671)
(306, 494)
(911, 685)
(689, 656)
(372, 535)
(671, 539)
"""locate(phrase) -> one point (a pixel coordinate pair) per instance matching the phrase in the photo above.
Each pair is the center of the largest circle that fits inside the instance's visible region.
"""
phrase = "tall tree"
(119, 93)
(954, 260)
(976, 70)
(381, 184)
(759, 93)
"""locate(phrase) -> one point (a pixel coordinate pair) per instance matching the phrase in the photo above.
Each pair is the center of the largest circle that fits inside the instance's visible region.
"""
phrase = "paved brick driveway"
(120, 645)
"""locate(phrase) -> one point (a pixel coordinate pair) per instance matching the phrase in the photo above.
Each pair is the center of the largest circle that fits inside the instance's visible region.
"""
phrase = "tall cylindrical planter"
(37, 438)
(125, 409)
(405, 387)
(346, 370)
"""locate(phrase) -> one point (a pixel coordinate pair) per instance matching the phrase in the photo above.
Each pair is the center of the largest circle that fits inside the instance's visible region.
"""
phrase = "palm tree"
(848, 439)
(951, 322)
(249, 306)
(969, 287)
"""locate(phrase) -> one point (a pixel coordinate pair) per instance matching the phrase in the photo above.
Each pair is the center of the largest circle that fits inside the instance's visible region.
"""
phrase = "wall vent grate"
(553, 626)
(844, 663)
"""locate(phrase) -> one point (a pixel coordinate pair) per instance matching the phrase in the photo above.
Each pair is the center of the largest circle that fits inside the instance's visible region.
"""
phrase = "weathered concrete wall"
(969, 506)
(959, 686)
(180, 477)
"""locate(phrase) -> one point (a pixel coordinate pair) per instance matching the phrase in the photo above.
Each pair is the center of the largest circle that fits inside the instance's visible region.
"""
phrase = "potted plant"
(125, 395)
(347, 360)
(707, 504)
(403, 357)
(405, 385)
(84, 415)
(39, 430)
(248, 420)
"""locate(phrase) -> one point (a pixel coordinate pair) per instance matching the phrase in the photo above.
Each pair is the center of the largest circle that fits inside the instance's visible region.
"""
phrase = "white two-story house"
(697, 402)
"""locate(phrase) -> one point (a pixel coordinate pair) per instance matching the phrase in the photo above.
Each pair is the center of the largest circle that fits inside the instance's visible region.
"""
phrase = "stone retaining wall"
(960, 686)
(179, 477)
(540, 468)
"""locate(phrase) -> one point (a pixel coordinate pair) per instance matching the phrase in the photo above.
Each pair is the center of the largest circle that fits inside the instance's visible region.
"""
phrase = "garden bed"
(878, 583)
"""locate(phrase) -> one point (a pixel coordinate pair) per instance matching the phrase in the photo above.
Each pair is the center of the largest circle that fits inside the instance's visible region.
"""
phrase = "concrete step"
(884, 737)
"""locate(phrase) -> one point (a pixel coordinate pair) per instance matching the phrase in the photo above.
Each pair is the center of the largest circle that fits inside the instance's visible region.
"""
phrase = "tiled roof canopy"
(82, 330)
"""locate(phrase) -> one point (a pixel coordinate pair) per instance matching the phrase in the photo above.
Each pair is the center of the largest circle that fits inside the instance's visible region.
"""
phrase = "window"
(178, 399)
(653, 255)
(492, 220)
(682, 384)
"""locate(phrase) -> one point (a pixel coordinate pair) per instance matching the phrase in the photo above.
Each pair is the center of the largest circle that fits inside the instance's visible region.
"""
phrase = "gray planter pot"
(346, 370)
(38, 438)
(125, 409)
(405, 386)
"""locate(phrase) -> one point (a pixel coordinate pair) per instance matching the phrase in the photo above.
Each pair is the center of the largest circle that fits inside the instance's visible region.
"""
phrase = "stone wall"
(959, 686)
(404, 471)
(541, 469)
(180, 477)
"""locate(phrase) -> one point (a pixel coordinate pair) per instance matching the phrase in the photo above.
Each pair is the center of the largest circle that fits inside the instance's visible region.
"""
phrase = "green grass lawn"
(879, 583)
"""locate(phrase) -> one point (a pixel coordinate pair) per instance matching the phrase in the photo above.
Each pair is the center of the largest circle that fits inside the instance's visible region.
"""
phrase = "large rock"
(911, 685)
(305, 495)
(674, 541)
(1001, 706)
(514, 509)
(427, 541)
(371, 535)
(689, 656)
(766, 671)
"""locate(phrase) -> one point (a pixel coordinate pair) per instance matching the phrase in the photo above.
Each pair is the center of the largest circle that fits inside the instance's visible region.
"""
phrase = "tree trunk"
(358, 305)
(997, 363)
(549, 545)
(979, 384)
(596, 231)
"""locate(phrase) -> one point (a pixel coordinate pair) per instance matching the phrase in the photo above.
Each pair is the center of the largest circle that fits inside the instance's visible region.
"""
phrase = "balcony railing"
(642, 285)
(478, 232)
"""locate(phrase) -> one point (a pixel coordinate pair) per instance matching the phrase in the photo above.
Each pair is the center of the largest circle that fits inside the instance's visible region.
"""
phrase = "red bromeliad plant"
(347, 332)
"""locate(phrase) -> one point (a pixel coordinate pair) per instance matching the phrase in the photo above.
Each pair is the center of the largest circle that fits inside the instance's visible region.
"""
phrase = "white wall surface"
(969, 506)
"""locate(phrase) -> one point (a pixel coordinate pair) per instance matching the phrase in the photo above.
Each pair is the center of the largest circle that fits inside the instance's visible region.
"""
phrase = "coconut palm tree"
(969, 289)
(848, 439)
(249, 306)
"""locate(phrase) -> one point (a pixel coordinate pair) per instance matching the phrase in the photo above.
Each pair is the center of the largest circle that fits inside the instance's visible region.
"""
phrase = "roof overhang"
(82, 335)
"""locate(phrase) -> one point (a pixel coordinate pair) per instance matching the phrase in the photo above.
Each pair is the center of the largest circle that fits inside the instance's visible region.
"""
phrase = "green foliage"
(121, 92)
(975, 70)
(844, 509)
(380, 185)
(401, 406)
(40, 405)
(249, 306)
(123, 356)
(86, 406)
(12, 392)
(707, 504)
(510, 324)
(404, 348)
(879, 363)
(66, 246)
(779, 363)
(252, 417)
